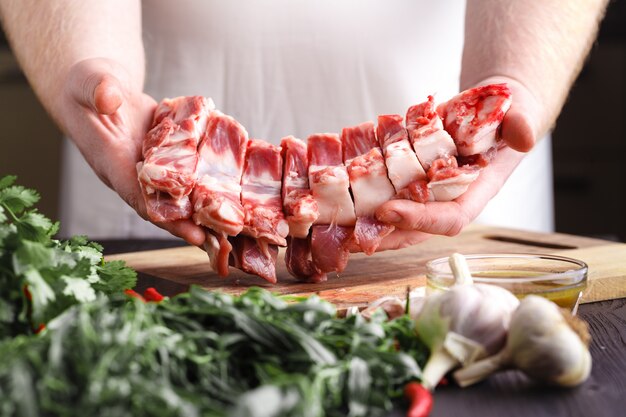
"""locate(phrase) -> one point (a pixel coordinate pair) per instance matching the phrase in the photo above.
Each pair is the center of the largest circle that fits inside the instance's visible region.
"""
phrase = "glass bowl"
(556, 278)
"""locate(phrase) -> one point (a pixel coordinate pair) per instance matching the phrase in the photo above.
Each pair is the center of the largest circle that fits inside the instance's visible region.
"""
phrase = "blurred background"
(589, 140)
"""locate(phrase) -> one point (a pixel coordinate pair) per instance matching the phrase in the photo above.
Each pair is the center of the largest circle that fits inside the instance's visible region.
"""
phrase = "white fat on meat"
(403, 168)
(217, 196)
(366, 169)
(168, 172)
(430, 140)
(449, 181)
(472, 117)
(329, 181)
(261, 193)
(216, 199)
(369, 182)
(300, 207)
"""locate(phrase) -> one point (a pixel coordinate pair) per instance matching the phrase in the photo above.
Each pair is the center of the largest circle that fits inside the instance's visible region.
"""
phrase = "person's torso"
(300, 67)
(282, 67)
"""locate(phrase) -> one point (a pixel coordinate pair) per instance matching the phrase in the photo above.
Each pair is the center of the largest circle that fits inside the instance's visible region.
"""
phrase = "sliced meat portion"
(254, 257)
(448, 181)
(168, 172)
(369, 183)
(261, 193)
(473, 117)
(403, 168)
(299, 260)
(216, 199)
(218, 248)
(330, 185)
(179, 109)
(417, 191)
(430, 141)
(329, 182)
(217, 196)
(298, 203)
(330, 247)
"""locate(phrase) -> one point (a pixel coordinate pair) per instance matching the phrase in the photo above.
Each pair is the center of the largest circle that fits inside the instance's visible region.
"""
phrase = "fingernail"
(390, 217)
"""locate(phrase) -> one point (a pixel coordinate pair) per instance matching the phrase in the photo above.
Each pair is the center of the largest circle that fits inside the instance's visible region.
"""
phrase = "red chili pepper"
(40, 329)
(27, 294)
(151, 294)
(133, 293)
(421, 400)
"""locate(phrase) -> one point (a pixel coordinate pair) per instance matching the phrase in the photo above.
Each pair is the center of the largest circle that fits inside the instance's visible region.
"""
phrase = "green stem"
(11, 214)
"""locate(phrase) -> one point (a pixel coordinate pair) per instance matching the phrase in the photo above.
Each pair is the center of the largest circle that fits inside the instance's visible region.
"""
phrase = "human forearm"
(48, 37)
(539, 43)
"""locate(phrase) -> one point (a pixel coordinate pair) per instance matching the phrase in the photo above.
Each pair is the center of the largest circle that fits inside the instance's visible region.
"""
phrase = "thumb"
(96, 89)
(516, 129)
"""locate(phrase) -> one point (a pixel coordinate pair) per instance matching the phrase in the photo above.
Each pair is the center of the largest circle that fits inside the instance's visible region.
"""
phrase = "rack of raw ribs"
(317, 197)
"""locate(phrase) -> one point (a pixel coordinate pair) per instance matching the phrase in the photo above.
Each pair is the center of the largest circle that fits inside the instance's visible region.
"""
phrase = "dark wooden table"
(508, 394)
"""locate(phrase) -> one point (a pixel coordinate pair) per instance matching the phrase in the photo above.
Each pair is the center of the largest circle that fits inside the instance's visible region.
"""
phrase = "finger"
(187, 230)
(450, 217)
(516, 130)
(402, 239)
(107, 96)
(131, 193)
(440, 218)
(96, 90)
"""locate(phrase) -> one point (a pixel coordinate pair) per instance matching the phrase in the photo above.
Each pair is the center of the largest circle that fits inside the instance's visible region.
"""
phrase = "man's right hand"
(107, 117)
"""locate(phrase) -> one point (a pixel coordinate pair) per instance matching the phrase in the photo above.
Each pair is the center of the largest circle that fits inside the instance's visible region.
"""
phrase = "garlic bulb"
(545, 342)
(462, 325)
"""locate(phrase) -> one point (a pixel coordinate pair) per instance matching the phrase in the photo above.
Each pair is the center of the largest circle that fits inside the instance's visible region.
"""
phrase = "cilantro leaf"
(7, 181)
(16, 198)
(115, 277)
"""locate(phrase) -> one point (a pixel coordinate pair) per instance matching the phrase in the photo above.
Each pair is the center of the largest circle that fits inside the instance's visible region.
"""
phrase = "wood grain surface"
(509, 393)
(390, 273)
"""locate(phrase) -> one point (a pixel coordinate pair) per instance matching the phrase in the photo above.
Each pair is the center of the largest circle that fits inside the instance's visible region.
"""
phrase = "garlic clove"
(463, 324)
(460, 269)
(544, 342)
(545, 346)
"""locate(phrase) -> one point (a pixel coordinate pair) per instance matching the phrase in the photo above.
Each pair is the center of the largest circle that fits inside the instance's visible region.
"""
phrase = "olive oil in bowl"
(559, 279)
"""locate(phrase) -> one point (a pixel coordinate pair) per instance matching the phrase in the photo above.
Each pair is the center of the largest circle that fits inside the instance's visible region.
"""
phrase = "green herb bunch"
(103, 353)
(40, 276)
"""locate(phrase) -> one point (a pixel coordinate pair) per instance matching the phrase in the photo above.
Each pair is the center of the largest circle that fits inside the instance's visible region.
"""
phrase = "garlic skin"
(462, 325)
(542, 343)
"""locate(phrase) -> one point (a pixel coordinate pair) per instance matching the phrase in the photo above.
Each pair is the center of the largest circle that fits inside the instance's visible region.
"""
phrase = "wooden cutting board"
(390, 273)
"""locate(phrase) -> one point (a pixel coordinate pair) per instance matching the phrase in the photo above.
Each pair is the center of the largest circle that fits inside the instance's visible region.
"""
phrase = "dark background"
(589, 141)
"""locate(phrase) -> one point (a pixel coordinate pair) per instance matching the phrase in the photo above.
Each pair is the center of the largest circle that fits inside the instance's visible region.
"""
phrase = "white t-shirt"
(299, 67)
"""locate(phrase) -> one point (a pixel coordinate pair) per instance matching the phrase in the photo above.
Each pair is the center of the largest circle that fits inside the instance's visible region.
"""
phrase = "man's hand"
(415, 221)
(107, 119)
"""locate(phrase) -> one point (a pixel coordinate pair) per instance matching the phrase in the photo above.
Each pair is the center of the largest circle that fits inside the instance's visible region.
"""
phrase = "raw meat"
(217, 196)
(264, 225)
(430, 140)
(369, 183)
(261, 193)
(253, 197)
(250, 256)
(329, 182)
(299, 260)
(330, 247)
(168, 172)
(300, 209)
(472, 117)
(298, 203)
(403, 168)
(448, 181)
(330, 185)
